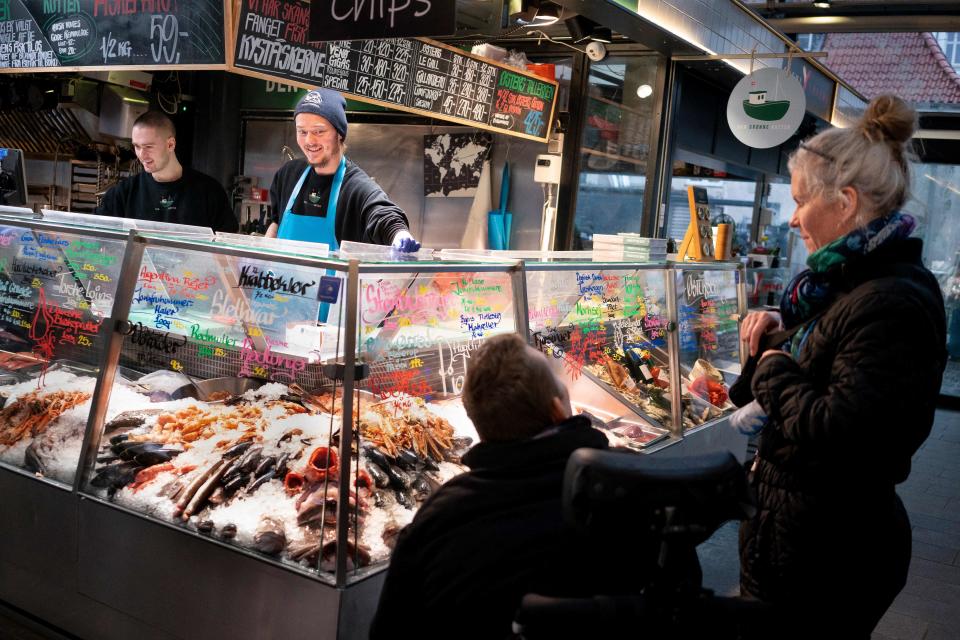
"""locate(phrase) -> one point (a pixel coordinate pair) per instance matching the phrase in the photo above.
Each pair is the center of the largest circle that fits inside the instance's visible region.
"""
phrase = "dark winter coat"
(489, 536)
(845, 418)
(364, 212)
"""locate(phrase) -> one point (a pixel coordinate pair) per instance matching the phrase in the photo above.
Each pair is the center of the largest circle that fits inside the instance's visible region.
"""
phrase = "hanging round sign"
(766, 108)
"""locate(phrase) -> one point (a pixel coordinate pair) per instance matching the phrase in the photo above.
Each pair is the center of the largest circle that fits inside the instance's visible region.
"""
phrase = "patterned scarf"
(814, 289)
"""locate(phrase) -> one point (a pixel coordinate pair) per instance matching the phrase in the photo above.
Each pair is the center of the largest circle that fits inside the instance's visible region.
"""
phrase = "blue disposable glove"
(404, 243)
(749, 419)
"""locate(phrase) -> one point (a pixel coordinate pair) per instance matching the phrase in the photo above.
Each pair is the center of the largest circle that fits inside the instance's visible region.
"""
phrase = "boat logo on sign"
(757, 107)
(766, 108)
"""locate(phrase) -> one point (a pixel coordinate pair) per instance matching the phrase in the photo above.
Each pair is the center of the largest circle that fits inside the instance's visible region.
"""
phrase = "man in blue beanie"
(325, 197)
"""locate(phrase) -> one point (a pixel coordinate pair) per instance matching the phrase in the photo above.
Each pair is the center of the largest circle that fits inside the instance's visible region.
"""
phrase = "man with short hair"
(325, 197)
(166, 191)
(491, 535)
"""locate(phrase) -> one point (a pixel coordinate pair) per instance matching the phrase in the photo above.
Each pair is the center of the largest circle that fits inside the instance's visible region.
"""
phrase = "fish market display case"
(220, 444)
(58, 284)
(57, 289)
(623, 335)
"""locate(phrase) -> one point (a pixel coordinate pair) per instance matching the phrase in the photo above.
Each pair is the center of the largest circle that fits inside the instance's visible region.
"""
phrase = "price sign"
(415, 75)
(40, 34)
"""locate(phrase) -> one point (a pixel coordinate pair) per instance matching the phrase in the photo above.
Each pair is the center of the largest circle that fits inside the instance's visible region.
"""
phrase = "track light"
(534, 13)
(584, 30)
(822, 4)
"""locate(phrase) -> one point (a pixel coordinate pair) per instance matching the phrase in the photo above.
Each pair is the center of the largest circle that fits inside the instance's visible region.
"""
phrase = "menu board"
(418, 76)
(332, 20)
(37, 34)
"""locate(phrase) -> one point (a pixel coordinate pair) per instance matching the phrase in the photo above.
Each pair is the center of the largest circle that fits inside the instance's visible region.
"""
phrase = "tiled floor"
(928, 608)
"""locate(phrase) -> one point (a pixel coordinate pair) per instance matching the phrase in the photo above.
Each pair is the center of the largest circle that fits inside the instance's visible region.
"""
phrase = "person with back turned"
(166, 191)
(325, 197)
(490, 536)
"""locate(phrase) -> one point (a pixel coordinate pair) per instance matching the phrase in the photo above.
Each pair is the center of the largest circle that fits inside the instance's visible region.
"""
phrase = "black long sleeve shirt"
(194, 199)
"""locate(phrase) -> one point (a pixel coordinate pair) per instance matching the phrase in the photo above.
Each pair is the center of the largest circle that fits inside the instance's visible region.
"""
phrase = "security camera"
(596, 51)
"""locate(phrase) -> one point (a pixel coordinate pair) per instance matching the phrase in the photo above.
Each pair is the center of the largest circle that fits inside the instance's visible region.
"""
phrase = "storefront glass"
(777, 234)
(617, 146)
(935, 202)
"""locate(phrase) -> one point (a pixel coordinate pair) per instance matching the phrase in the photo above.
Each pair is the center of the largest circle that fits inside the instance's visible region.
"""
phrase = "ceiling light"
(644, 91)
(537, 14)
(822, 4)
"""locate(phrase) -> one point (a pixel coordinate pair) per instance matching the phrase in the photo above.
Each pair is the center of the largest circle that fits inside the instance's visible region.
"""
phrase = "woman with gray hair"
(848, 395)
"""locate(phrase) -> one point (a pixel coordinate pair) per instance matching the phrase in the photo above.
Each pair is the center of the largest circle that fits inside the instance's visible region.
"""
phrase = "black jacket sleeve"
(112, 202)
(403, 594)
(225, 218)
(376, 216)
(276, 188)
(284, 180)
(876, 378)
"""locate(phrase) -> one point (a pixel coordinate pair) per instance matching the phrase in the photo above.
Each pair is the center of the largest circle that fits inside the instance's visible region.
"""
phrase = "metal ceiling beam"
(859, 16)
(865, 24)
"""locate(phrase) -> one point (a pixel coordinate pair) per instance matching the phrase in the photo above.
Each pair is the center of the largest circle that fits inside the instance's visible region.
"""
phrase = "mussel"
(270, 537)
(156, 456)
(115, 476)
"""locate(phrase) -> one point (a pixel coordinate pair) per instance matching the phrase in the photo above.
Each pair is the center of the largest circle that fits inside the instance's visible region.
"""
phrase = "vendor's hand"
(755, 325)
(404, 243)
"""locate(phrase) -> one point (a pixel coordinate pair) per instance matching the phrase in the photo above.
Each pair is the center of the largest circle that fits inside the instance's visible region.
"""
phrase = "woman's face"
(821, 221)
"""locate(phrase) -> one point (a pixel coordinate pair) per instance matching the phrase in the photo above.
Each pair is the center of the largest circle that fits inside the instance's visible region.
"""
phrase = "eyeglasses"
(826, 156)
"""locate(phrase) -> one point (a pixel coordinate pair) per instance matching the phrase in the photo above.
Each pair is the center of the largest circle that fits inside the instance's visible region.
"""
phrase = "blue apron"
(313, 228)
(294, 226)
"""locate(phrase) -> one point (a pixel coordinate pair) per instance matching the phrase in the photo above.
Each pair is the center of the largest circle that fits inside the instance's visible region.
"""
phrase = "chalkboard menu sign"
(332, 20)
(37, 34)
(419, 76)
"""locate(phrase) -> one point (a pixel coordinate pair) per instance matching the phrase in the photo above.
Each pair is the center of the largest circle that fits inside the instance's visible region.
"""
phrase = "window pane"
(935, 203)
(728, 196)
(613, 163)
(778, 234)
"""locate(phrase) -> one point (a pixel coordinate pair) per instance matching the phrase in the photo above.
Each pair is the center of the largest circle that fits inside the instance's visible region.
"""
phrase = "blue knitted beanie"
(328, 104)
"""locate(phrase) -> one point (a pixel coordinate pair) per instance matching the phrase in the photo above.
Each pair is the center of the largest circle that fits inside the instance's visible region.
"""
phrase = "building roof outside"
(910, 65)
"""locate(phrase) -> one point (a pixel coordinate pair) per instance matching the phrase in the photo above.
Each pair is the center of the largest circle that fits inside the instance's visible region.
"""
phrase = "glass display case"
(220, 407)
(623, 335)
(710, 301)
(605, 326)
(198, 381)
(57, 289)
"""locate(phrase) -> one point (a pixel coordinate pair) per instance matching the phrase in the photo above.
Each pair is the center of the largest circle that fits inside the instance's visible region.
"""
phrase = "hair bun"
(889, 119)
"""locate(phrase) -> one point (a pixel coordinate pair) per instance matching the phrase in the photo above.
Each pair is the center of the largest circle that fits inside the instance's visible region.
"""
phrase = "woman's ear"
(849, 202)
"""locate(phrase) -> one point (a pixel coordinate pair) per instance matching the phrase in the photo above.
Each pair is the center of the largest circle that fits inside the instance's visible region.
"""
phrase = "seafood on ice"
(263, 470)
(641, 380)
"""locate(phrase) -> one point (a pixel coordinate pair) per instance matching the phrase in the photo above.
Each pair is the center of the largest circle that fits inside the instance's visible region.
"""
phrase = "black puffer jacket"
(845, 418)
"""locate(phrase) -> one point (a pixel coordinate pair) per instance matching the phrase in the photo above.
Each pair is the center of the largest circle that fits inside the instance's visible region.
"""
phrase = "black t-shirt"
(195, 199)
(364, 212)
